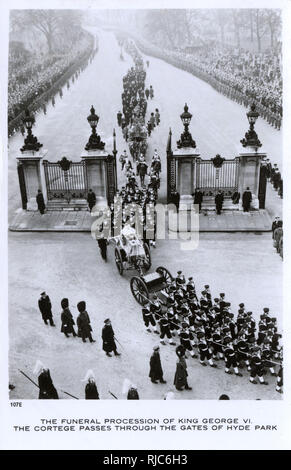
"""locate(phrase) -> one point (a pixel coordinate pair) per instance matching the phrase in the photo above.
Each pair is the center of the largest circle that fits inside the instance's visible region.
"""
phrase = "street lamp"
(186, 138)
(251, 138)
(30, 142)
(94, 142)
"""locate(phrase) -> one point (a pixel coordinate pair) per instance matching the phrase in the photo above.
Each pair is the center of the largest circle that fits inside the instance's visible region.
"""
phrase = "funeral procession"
(145, 202)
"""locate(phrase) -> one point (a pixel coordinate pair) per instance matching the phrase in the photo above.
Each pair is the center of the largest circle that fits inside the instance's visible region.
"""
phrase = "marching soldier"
(83, 323)
(187, 339)
(148, 318)
(67, 319)
(230, 358)
(165, 329)
(257, 367)
(204, 351)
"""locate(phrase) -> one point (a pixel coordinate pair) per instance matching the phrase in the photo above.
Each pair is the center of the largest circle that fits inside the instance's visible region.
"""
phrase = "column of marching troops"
(207, 328)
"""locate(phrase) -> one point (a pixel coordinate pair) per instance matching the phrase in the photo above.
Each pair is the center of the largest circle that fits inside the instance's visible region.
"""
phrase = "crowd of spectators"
(33, 76)
(241, 75)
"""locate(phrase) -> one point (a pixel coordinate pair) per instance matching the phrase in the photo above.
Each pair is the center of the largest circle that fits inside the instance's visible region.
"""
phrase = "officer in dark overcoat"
(156, 371)
(67, 319)
(108, 339)
(45, 308)
(180, 379)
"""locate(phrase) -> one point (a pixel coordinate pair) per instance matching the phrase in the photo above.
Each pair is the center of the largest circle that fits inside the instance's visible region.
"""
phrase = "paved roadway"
(244, 266)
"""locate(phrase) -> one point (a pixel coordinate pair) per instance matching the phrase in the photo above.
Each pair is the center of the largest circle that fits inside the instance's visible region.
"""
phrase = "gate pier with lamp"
(65, 183)
(188, 171)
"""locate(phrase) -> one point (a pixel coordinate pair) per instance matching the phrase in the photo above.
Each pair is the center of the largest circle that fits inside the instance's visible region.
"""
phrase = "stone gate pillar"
(251, 156)
(249, 173)
(31, 177)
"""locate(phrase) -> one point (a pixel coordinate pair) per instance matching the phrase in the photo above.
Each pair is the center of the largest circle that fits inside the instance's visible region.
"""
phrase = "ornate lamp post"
(251, 138)
(186, 138)
(94, 142)
(30, 142)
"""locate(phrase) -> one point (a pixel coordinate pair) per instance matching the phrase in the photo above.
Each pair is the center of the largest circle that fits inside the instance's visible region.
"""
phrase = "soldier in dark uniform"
(180, 379)
(148, 318)
(219, 198)
(257, 367)
(156, 371)
(40, 202)
(91, 199)
(198, 198)
(67, 319)
(279, 384)
(83, 323)
(230, 358)
(165, 329)
(187, 339)
(175, 199)
(246, 200)
(108, 339)
(45, 308)
(204, 350)
(142, 169)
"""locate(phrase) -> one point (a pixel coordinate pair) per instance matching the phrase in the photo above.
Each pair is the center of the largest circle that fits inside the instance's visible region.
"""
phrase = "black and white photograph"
(144, 203)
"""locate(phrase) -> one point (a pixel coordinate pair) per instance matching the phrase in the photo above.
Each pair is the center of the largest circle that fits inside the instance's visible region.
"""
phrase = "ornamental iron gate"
(65, 180)
(211, 178)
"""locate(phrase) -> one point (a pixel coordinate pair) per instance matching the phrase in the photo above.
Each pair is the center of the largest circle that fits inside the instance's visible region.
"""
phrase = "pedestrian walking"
(40, 202)
(156, 371)
(152, 120)
(151, 92)
(219, 202)
(83, 323)
(109, 344)
(45, 307)
(246, 200)
(91, 199)
(147, 93)
(175, 197)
